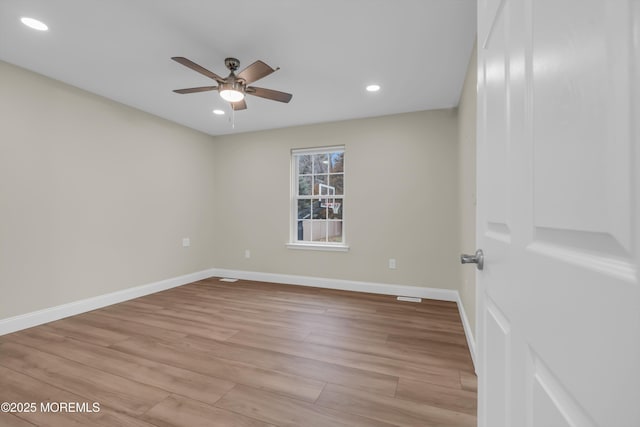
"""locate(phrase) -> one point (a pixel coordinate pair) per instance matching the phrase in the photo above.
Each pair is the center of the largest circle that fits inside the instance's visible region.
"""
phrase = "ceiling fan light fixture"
(231, 92)
(231, 95)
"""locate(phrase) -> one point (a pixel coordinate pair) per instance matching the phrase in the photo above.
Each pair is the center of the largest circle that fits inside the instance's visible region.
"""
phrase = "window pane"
(336, 162)
(337, 182)
(304, 209)
(319, 184)
(319, 211)
(304, 164)
(334, 209)
(304, 230)
(319, 231)
(320, 163)
(334, 231)
(304, 186)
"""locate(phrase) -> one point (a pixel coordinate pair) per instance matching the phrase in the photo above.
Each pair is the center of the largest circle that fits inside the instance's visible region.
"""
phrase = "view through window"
(318, 183)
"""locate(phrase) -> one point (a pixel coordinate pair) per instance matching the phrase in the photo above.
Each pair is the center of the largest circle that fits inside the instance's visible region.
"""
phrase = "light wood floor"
(246, 354)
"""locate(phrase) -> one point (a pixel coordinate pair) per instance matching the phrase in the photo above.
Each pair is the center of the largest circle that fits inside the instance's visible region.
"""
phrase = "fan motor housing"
(232, 63)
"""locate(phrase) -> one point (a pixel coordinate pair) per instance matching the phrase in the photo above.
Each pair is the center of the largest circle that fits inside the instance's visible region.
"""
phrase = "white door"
(559, 213)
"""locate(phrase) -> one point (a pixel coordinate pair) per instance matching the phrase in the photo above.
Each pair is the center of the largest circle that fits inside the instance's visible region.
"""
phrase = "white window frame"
(293, 218)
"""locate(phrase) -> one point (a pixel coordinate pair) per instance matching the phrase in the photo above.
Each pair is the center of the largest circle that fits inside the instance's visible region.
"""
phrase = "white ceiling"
(328, 51)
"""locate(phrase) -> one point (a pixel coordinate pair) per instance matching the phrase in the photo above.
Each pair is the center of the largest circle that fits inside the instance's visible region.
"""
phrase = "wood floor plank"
(336, 325)
(120, 393)
(177, 411)
(125, 326)
(287, 412)
(180, 381)
(250, 301)
(173, 324)
(469, 381)
(427, 337)
(456, 357)
(233, 371)
(395, 411)
(443, 375)
(303, 367)
(393, 315)
(307, 323)
(142, 304)
(247, 354)
(17, 387)
(410, 319)
(71, 327)
(435, 395)
(238, 322)
(10, 420)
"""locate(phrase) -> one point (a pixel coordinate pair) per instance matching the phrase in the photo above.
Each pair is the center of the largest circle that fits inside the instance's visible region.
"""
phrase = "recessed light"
(373, 88)
(218, 112)
(34, 23)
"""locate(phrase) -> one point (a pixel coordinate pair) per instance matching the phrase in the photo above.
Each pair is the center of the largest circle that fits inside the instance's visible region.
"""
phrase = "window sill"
(315, 247)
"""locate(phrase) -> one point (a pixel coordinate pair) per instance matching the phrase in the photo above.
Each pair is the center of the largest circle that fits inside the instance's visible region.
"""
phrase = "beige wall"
(467, 190)
(94, 196)
(401, 187)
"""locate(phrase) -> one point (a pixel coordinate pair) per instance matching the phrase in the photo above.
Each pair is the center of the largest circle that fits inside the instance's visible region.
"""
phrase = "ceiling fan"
(234, 87)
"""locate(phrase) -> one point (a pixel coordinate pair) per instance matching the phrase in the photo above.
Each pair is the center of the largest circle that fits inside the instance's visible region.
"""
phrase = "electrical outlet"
(392, 263)
(247, 253)
(186, 242)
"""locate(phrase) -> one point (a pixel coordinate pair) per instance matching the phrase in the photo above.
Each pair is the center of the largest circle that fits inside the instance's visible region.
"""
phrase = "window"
(317, 202)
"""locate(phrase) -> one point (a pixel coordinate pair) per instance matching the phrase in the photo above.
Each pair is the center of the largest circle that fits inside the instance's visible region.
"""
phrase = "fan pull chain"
(233, 117)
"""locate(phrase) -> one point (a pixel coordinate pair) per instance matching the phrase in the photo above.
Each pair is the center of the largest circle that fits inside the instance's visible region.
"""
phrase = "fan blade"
(198, 68)
(274, 95)
(237, 106)
(196, 89)
(255, 71)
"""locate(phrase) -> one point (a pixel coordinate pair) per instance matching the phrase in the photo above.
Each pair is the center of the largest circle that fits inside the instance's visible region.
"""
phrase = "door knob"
(477, 258)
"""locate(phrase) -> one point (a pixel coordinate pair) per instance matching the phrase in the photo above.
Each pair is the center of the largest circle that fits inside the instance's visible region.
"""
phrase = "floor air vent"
(410, 299)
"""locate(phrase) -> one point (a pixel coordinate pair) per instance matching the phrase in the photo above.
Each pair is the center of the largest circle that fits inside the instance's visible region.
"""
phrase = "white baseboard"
(345, 285)
(351, 285)
(28, 320)
(471, 342)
